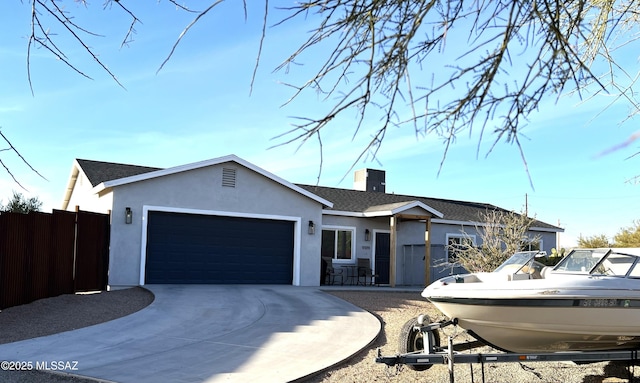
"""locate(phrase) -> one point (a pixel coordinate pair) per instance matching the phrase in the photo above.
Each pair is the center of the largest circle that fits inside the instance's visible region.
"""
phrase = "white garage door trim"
(296, 232)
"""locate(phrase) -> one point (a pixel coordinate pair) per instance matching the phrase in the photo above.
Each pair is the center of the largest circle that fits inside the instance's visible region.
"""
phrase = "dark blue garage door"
(192, 248)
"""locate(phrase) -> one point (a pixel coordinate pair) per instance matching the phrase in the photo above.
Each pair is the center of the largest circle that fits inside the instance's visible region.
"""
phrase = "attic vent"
(229, 177)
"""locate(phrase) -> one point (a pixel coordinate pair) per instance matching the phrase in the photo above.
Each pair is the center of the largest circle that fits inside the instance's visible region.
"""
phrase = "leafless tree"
(386, 56)
(502, 233)
(12, 149)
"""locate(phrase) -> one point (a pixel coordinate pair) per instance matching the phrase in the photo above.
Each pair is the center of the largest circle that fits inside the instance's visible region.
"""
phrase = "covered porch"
(392, 248)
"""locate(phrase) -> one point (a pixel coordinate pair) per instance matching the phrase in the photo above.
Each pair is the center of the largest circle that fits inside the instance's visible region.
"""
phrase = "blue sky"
(199, 107)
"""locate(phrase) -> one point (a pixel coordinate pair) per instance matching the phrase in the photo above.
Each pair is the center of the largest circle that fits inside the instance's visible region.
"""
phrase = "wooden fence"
(44, 255)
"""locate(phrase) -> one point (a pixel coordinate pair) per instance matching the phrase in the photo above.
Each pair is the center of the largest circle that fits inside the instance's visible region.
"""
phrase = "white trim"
(480, 224)
(202, 164)
(403, 207)
(547, 229)
(456, 235)
(456, 222)
(352, 229)
(433, 220)
(73, 178)
(342, 213)
(296, 232)
(384, 213)
(540, 242)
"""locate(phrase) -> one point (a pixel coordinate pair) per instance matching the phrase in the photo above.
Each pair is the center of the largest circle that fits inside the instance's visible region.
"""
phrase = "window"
(531, 245)
(457, 243)
(337, 243)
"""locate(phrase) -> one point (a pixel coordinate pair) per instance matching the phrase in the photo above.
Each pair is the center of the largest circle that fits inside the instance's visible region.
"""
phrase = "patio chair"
(365, 272)
(332, 273)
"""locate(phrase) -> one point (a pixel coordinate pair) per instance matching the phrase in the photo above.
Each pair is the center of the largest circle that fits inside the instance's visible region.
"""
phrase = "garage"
(186, 248)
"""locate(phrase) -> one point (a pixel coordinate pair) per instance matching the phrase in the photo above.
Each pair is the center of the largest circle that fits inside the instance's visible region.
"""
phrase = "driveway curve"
(210, 333)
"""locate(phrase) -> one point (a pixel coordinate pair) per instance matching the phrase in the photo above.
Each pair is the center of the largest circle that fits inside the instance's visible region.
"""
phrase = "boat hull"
(526, 325)
(590, 301)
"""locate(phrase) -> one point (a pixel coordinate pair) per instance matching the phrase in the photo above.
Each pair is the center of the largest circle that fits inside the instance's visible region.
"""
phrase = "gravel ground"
(64, 313)
(69, 312)
(395, 309)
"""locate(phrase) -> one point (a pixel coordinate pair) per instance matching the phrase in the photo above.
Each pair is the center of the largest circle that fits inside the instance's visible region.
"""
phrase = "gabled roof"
(98, 172)
(105, 175)
(359, 203)
(399, 207)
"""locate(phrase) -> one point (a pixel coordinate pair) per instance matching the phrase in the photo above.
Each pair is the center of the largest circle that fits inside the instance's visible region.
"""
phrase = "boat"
(589, 301)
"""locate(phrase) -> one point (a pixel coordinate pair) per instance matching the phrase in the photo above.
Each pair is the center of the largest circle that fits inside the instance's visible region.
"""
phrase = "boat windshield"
(581, 261)
(517, 261)
(600, 262)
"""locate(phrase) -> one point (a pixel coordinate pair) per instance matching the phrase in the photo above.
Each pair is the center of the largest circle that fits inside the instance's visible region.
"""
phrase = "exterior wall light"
(128, 215)
(312, 227)
(367, 235)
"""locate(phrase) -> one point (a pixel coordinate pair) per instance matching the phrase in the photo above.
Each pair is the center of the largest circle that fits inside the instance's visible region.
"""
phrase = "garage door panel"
(190, 248)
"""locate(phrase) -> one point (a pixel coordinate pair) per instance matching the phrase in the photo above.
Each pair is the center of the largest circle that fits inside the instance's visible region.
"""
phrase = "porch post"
(392, 253)
(427, 252)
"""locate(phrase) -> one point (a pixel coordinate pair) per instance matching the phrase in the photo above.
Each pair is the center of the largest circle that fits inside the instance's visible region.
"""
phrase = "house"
(226, 220)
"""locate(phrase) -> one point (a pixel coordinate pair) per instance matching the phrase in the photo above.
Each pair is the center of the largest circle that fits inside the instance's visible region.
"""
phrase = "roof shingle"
(360, 201)
(346, 200)
(98, 172)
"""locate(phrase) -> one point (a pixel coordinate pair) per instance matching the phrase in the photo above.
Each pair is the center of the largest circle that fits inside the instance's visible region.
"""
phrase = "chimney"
(370, 180)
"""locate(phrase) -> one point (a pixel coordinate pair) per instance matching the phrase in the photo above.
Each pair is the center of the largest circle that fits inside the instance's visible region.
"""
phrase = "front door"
(383, 257)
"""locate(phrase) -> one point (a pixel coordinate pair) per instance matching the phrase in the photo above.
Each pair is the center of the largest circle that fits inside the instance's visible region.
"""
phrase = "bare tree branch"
(134, 20)
(45, 41)
(386, 57)
(401, 34)
(186, 29)
(262, 37)
(6, 168)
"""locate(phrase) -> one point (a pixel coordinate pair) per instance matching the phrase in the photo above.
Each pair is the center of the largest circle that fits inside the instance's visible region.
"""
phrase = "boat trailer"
(430, 352)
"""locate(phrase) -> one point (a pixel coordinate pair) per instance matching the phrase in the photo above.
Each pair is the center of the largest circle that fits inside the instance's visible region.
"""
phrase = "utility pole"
(526, 204)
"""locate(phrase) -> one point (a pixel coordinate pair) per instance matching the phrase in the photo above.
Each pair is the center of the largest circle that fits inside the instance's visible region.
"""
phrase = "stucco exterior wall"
(201, 191)
(409, 233)
(440, 231)
(83, 196)
(363, 249)
(410, 251)
(410, 245)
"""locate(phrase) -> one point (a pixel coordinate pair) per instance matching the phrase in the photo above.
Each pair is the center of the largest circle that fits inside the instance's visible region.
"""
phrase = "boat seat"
(535, 274)
(518, 277)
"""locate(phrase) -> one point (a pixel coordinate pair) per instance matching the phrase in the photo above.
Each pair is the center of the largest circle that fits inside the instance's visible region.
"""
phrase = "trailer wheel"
(411, 340)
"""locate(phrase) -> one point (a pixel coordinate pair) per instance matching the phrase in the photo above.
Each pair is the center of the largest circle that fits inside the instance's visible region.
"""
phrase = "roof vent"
(229, 177)
(370, 180)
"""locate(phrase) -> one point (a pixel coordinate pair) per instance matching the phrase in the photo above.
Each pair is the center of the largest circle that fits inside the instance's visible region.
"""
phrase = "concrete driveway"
(211, 333)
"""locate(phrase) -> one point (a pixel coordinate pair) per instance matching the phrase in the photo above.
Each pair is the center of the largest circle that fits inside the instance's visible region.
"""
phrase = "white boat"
(589, 301)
